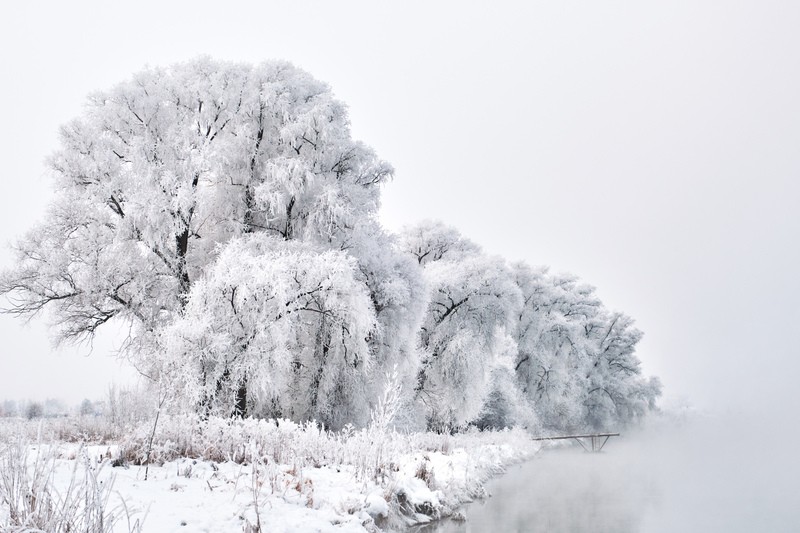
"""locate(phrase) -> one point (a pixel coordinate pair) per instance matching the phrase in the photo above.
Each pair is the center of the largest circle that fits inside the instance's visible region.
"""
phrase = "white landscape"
(223, 213)
(312, 294)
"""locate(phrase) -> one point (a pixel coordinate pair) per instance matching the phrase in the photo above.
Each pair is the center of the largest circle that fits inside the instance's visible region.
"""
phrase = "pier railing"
(598, 440)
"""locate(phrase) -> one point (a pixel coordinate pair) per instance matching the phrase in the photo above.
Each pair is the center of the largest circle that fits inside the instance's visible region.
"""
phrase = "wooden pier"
(598, 440)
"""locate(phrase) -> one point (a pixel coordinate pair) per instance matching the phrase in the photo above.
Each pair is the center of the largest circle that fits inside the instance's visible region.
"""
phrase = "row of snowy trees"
(227, 215)
(504, 344)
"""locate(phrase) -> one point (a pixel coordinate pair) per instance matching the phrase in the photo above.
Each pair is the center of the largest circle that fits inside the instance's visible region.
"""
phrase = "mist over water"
(707, 473)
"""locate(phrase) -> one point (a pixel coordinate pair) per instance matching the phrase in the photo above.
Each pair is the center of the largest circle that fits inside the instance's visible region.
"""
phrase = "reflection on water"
(704, 476)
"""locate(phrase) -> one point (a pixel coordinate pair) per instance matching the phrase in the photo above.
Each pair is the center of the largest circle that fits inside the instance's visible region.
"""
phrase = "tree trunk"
(322, 348)
(240, 406)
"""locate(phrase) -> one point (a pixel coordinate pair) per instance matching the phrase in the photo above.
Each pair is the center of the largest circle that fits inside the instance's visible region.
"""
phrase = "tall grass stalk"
(35, 502)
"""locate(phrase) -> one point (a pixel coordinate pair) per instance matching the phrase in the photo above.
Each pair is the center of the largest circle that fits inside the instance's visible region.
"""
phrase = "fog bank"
(699, 473)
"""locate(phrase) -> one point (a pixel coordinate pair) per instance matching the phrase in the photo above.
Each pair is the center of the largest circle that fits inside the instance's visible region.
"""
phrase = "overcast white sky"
(653, 150)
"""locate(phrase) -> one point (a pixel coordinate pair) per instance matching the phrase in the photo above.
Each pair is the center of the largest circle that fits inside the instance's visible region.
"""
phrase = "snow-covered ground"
(288, 477)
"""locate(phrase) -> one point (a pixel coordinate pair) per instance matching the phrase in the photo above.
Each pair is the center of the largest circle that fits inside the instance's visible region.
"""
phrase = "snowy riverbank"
(251, 475)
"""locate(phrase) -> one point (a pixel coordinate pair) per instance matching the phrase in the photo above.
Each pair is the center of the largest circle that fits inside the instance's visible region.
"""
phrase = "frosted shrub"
(98, 430)
(31, 502)
(368, 451)
(389, 402)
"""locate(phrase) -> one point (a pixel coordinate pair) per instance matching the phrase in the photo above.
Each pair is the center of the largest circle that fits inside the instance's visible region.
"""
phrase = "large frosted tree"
(163, 170)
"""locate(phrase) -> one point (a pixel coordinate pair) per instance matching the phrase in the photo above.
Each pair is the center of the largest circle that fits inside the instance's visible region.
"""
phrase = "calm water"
(704, 476)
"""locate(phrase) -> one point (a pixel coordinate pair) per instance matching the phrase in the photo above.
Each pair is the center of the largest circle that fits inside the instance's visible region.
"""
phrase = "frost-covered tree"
(399, 297)
(617, 392)
(9, 409)
(163, 170)
(505, 405)
(550, 365)
(289, 321)
(34, 410)
(472, 305)
(432, 240)
(86, 408)
(576, 362)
